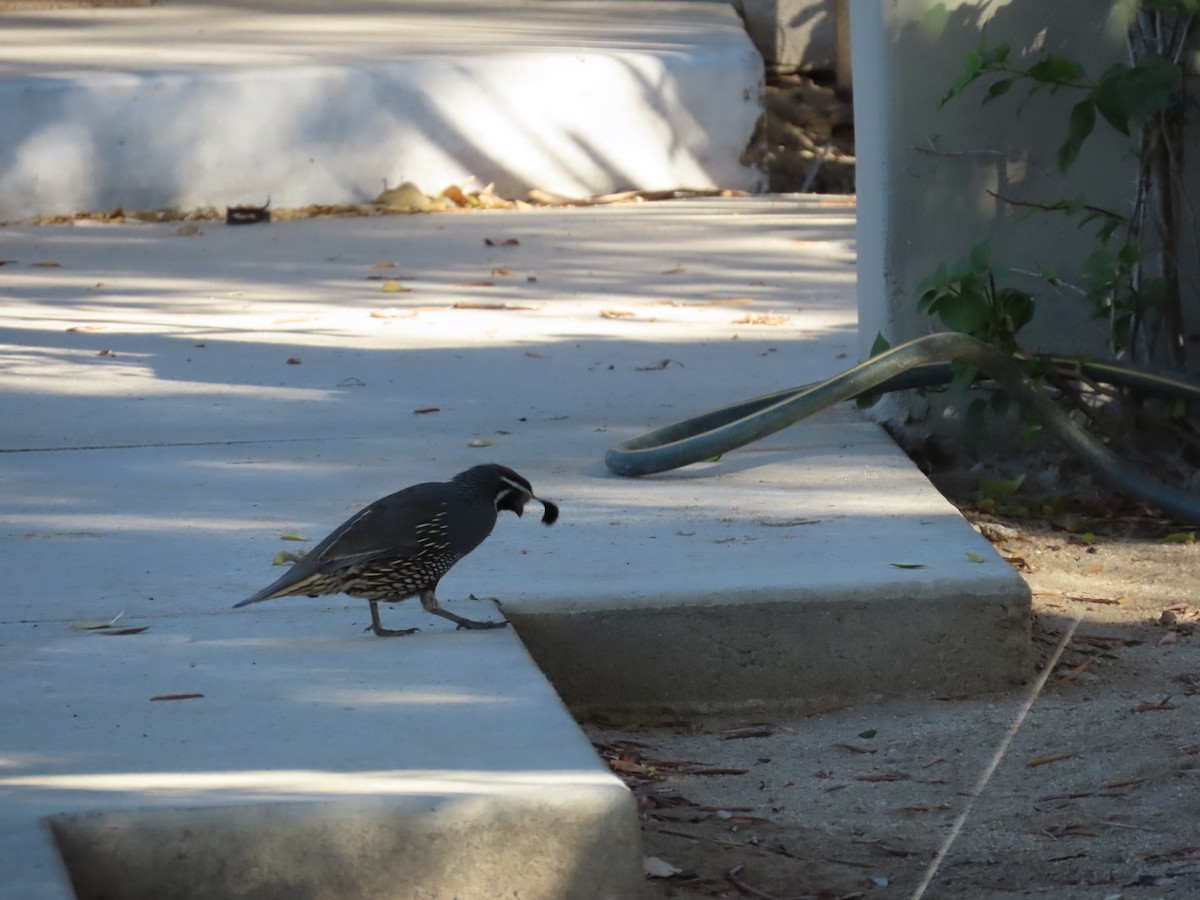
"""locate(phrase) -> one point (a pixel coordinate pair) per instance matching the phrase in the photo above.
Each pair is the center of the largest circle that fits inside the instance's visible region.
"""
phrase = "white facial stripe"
(516, 486)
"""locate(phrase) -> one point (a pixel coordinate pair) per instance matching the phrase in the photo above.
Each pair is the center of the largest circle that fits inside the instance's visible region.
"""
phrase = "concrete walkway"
(306, 101)
(173, 405)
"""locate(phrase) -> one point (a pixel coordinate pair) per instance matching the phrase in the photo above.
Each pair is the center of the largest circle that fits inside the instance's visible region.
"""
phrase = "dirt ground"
(809, 137)
(1096, 796)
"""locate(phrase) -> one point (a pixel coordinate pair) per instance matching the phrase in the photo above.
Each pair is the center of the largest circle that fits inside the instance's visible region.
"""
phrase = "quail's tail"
(276, 589)
(264, 594)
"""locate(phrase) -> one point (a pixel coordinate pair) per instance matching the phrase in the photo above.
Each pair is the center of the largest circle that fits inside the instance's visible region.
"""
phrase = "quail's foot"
(391, 632)
(377, 625)
(465, 623)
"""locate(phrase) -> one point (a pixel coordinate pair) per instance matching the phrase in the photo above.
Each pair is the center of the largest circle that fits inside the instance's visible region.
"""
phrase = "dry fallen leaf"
(1146, 706)
(749, 319)
(501, 242)
(392, 286)
(386, 264)
(655, 867)
(616, 314)
(823, 710)
(1020, 563)
(47, 265)
(177, 697)
(501, 272)
(1108, 601)
(1046, 760)
(406, 197)
(533, 354)
(675, 270)
(480, 282)
(747, 731)
(1075, 829)
(658, 366)
(426, 410)
(507, 307)
(629, 767)
(137, 629)
(480, 442)
(718, 771)
(293, 361)
(854, 748)
(1178, 537)
(392, 313)
(1075, 672)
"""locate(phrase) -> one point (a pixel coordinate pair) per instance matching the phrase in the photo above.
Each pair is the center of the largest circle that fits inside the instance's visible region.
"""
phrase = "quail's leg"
(377, 625)
(430, 603)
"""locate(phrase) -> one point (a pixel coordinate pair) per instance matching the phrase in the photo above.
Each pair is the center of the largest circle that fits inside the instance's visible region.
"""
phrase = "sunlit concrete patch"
(318, 102)
(174, 338)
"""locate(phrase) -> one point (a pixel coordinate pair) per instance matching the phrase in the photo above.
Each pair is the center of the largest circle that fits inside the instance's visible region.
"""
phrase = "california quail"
(401, 546)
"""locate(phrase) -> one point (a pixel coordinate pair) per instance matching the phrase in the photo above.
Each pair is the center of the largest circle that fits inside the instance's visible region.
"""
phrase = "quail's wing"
(389, 527)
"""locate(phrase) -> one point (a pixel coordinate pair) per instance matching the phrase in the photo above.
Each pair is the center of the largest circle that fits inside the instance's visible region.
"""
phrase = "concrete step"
(174, 405)
(300, 761)
(304, 101)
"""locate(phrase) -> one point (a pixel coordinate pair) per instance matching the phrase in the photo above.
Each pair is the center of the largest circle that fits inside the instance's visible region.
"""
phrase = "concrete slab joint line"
(199, 105)
(242, 384)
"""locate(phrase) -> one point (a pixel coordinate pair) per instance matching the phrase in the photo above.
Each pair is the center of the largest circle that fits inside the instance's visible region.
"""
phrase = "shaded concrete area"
(199, 761)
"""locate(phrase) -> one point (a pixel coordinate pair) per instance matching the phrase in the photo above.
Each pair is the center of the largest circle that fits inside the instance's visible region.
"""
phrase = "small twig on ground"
(731, 877)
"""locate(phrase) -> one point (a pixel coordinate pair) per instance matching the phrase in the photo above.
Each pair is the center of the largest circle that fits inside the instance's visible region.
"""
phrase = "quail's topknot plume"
(401, 545)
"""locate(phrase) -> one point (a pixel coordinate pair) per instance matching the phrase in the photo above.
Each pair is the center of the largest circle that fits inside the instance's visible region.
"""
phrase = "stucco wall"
(924, 172)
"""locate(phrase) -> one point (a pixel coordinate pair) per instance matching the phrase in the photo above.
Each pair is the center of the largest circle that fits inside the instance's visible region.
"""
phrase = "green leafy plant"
(1133, 276)
(965, 296)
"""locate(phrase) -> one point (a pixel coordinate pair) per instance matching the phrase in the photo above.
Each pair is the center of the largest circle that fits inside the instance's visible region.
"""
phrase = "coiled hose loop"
(918, 363)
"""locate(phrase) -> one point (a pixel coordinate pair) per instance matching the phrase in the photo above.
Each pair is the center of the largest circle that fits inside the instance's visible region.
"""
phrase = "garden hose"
(918, 363)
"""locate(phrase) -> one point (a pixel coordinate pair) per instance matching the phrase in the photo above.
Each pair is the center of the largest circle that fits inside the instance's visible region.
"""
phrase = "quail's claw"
(479, 626)
(391, 632)
(460, 621)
